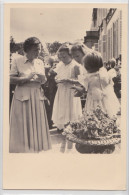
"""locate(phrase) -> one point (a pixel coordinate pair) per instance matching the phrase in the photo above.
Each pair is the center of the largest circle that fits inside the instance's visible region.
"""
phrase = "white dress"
(100, 92)
(66, 107)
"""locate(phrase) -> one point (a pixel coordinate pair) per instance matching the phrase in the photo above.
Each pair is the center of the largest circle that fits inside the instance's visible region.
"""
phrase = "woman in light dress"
(66, 107)
(29, 130)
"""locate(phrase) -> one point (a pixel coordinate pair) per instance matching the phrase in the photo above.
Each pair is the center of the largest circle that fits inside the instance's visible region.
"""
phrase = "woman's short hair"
(30, 42)
(80, 47)
(93, 61)
(65, 48)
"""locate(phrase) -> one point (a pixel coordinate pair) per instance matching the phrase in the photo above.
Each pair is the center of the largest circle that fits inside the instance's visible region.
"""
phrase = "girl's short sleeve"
(14, 70)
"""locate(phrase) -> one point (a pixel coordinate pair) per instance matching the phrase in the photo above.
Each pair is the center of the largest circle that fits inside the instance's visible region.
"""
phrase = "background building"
(107, 24)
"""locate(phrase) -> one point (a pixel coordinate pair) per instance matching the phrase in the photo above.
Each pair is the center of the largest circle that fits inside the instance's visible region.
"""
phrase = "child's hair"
(93, 61)
(113, 62)
(80, 47)
(65, 48)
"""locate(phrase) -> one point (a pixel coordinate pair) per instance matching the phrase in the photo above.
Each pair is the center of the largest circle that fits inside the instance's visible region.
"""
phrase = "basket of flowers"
(94, 133)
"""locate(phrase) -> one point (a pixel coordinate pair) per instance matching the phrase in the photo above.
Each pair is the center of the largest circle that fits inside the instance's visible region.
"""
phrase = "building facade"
(108, 24)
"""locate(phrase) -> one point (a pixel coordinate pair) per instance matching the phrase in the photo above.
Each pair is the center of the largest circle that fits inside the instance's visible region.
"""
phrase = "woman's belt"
(30, 84)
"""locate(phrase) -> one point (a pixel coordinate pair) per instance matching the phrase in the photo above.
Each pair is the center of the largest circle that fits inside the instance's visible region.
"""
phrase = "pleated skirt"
(29, 131)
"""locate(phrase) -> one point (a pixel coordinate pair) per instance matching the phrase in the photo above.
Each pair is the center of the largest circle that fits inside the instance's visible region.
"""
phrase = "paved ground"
(61, 145)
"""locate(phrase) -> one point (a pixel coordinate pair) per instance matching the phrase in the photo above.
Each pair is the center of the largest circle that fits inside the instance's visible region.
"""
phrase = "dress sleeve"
(14, 69)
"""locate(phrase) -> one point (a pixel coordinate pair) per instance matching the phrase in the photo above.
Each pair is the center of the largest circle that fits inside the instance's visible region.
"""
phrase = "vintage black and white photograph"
(65, 88)
(65, 80)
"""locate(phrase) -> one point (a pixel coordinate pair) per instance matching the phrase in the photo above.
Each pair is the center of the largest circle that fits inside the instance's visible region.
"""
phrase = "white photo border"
(35, 192)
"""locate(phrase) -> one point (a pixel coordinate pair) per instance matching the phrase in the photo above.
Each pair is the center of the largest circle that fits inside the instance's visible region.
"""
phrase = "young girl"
(66, 107)
(99, 90)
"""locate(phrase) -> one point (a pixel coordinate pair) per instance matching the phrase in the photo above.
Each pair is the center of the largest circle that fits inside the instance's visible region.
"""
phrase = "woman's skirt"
(29, 131)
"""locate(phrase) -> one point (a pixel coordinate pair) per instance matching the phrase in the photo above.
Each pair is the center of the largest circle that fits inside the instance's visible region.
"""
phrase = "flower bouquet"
(97, 130)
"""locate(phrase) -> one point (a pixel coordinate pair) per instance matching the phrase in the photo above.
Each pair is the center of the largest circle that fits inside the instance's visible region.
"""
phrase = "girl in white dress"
(100, 92)
(66, 107)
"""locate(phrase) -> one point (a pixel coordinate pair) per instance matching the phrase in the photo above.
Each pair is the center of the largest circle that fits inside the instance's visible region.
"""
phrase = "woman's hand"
(62, 80)
(78, 88)
(39, 74)
(22, 79)
(42, 77)
(30, 76)
(71, 81)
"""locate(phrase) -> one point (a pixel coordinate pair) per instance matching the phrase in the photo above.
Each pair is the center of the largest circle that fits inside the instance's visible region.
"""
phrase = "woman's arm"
(72, 81)
(20, 80)
(14, 75)
(17, 80)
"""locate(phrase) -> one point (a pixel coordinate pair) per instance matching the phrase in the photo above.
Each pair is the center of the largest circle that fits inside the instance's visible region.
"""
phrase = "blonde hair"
(80, 47)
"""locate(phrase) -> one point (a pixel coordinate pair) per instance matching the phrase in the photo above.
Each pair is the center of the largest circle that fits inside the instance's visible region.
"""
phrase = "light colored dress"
(100, 92)
(66, 107)
(29, 130)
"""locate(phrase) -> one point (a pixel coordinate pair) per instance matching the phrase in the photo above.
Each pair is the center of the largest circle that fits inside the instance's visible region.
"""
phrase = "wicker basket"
(115, 139)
